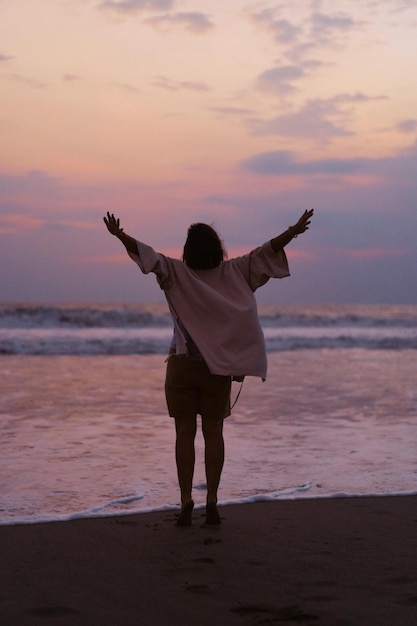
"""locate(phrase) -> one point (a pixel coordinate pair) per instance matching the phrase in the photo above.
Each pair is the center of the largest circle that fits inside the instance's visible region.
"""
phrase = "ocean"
(85, 433)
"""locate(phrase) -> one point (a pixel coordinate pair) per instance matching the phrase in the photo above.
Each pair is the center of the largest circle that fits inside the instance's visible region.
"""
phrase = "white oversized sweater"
(217, 307)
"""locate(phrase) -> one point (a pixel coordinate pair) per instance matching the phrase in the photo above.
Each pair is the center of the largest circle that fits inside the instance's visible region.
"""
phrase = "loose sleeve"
(262, 264)
(150, 261)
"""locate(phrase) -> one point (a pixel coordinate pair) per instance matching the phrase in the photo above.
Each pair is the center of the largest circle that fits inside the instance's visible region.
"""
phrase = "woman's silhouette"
(217, 337)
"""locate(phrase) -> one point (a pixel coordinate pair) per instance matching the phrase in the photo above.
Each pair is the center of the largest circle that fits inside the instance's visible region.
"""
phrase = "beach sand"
(335, 562)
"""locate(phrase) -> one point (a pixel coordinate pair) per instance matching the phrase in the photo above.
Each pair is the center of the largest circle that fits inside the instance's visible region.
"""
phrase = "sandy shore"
(330, 562)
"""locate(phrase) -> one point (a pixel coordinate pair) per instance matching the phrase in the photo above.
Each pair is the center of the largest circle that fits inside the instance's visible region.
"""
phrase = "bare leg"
(186, 429)
(214, 460)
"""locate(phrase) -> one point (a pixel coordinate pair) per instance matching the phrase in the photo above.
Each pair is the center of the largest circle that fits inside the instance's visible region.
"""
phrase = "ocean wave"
(357, 316)
(143, 341)
(157, 315)
(88, 316)
(30, 329)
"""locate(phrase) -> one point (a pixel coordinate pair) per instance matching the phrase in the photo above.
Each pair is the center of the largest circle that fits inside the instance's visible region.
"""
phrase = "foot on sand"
(184, 518)
(212, 514)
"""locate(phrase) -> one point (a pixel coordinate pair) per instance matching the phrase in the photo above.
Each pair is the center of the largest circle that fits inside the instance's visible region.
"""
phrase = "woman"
(217, 338)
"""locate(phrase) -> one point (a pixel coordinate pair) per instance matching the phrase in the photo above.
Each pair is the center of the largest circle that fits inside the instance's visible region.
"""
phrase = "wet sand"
(335, 562)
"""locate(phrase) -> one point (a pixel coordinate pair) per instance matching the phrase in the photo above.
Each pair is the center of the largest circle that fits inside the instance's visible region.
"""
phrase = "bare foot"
(212, 514)
(184, 518)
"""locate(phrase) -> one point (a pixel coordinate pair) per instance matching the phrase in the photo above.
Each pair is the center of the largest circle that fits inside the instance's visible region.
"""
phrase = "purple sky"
(238, 114)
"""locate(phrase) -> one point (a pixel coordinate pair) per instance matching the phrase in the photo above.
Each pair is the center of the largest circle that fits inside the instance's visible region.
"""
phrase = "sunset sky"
(241, 114)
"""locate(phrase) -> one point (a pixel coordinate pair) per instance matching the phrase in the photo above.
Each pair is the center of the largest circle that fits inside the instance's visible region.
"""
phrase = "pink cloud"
(132, 6)
(172, 85)
(79, 224)
(14, 223)
(193, 21)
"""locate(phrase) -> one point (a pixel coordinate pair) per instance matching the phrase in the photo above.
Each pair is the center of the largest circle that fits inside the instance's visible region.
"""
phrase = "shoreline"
(335, 562)
(199, 506)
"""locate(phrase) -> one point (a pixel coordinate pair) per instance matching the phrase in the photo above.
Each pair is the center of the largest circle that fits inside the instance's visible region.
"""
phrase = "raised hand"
(303, 223)
(113, 224)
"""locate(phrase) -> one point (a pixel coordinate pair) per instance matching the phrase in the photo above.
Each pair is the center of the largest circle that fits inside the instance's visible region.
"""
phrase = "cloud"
(32, 182)
(17, 222)
(282, 163)
(194, 22)
(396, 6)
(70, 78)
(407, 126)
(278, 79)
(282, 30)
(29, 82)
(128, 7)
(75, 224)
(173, 85)
(232, 111)
(312, 30)
(318, 119)
(128, 88)
(11, 223)
(313, 120)
(399, 171)
(326, 25)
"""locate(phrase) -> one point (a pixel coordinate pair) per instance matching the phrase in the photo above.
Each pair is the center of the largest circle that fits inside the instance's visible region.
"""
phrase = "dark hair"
(203, 249)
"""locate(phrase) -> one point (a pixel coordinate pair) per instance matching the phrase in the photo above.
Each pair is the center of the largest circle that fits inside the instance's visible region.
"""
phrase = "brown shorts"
(191, 389)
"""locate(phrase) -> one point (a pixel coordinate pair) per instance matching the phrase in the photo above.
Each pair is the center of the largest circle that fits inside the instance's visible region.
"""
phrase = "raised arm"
(113, 226)
(300, 227)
